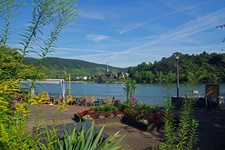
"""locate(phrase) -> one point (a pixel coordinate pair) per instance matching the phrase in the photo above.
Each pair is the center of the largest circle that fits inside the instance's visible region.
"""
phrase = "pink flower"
(15, 102)
(133, 105)
(134, 98)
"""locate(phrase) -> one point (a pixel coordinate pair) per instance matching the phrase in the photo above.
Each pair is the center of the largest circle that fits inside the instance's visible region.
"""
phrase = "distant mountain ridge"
(55, 67)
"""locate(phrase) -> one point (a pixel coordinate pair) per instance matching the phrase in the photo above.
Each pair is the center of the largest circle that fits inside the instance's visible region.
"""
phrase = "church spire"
(107, 68)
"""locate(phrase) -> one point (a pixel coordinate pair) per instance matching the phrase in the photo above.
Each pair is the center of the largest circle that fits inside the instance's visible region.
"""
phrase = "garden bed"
(77, 118)
(132, 113)
(142, 126)
(126, 120)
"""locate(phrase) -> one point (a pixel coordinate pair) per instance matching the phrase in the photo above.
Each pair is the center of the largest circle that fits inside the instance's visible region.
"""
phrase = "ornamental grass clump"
(89, 139)
(80, 138)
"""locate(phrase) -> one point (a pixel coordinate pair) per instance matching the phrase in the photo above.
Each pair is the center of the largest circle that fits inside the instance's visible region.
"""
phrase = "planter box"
(142, 126)
(129, 121)
(77, 118)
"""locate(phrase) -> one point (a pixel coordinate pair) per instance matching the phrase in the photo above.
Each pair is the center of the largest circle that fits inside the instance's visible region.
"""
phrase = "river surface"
(153, 94)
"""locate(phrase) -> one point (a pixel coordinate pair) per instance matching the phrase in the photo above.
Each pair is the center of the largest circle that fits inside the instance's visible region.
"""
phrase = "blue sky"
(126, 33)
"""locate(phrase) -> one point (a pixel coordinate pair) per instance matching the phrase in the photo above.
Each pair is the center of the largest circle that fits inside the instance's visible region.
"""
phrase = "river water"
(153, 94)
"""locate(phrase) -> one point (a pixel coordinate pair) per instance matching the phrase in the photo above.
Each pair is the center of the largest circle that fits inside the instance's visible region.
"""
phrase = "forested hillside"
(204, 68)
(60, 68)
(200, 68)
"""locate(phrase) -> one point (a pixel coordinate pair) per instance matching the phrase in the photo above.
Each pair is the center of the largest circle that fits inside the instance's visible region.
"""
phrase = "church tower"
(107, 68)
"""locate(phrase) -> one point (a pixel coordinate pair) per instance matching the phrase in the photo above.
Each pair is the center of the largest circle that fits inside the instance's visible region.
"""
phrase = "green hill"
(204, 68)
(59, 67)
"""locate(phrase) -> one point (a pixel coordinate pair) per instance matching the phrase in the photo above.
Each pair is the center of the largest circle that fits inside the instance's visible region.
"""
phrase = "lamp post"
(177, 59)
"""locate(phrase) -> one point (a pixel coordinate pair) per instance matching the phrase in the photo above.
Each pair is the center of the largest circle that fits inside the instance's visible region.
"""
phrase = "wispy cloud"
(92, 15)
(185, 30)
(80, 49)
(92, 53)
(197, 25)
(133, 27)
(137, 25)
(96, 38)
(186, 6)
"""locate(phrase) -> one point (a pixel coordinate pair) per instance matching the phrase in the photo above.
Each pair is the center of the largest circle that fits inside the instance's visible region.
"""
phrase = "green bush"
(105, 108)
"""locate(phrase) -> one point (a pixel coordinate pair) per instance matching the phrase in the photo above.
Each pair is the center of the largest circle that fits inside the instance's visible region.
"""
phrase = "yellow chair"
(84, 102)
(78, 100)
(44, 98)
(58, 100)
(108, 101)
(91, 102)
(69, 99)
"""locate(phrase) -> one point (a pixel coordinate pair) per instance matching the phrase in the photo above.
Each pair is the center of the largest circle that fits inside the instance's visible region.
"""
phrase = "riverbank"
(211, 127)
(151, 94)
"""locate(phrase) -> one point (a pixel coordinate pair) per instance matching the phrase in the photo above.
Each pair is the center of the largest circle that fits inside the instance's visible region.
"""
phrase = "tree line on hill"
(55, 68)
(77, 69)
(199, 68)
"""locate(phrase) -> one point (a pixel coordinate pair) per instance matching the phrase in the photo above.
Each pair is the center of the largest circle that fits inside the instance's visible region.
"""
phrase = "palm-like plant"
(195, 77)
(130, 87)
(80, 139)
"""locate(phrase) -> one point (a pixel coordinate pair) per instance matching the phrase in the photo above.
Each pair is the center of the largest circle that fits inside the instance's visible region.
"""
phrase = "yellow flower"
(62, 106)
(20, 109)
(3, 103)
(3, 134)
(41, 98)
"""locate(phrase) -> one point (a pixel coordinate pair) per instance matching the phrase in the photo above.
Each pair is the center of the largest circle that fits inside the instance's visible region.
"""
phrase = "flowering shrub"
(155, 118)
(148, 118)
(130, 104)
(17, 108)
(12, 104)
(92, 114)
(131, 109)
(135, 110)
(117, 113)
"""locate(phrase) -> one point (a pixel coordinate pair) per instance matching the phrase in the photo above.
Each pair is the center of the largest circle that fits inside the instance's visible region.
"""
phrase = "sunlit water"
(153, 94)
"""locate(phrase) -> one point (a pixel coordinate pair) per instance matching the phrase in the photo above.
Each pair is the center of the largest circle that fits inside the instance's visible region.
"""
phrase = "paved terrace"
(49, 112)
(211, 129)
(134, 140)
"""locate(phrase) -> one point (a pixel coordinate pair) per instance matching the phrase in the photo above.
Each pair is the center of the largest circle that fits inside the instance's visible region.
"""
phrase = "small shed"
(212, 92)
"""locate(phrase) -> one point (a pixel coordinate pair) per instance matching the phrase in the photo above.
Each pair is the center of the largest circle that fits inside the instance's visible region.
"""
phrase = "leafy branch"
(221, 26)
(7, 12)
(64, 13)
